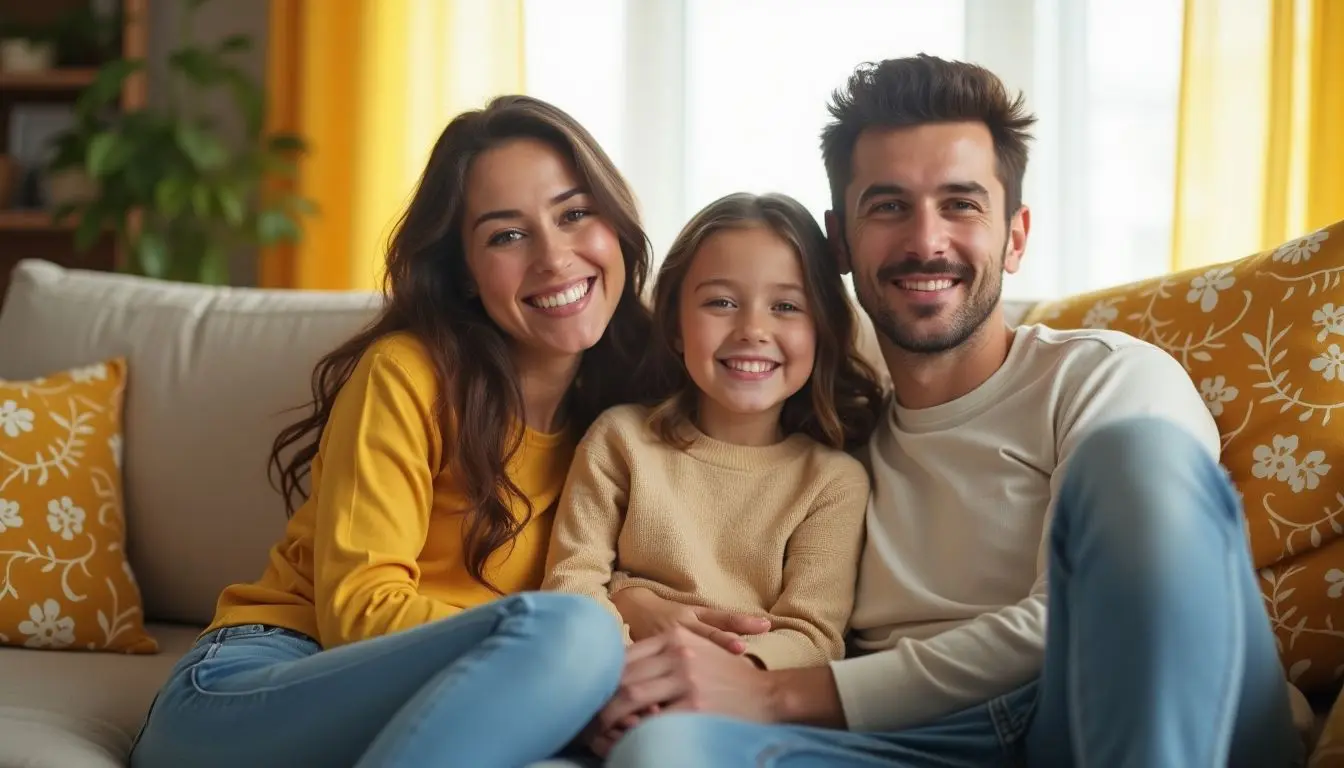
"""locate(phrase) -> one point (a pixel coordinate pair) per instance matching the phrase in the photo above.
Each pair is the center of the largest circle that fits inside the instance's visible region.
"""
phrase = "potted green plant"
(177, 195)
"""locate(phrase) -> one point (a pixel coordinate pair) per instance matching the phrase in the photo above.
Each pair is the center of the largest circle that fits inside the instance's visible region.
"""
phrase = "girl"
(734, 493)
(437, 445)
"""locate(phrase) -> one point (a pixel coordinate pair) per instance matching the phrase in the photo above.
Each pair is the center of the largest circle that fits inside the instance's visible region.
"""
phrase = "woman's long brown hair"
(425, 289)
(842, 403)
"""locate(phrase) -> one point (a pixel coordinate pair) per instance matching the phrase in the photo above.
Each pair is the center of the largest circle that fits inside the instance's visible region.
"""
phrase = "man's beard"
(965, 321)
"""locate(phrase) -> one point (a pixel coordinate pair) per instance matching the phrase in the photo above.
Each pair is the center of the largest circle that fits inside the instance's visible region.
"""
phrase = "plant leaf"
(251, 100)
(172, 195)
(90, 227)
(235, 43)
(214, 266)
(205, 150)
(231, 204)
(107, 154)
(152, 253)
(200, 200)
(276, 225)
(286, 142)
(106, 86)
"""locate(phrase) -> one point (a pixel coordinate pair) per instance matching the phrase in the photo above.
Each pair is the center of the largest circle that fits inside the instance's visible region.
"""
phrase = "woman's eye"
(505, 237)
(575, 214)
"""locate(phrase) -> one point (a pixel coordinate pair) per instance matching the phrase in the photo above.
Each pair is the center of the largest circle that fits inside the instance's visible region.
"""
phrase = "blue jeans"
(505, 684)
(1158, 651)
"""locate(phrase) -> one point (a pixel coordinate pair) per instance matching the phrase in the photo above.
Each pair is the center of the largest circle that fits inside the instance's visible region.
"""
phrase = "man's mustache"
(910, 267)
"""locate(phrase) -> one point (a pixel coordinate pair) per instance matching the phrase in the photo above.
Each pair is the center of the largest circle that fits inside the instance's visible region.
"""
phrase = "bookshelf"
(30, 96)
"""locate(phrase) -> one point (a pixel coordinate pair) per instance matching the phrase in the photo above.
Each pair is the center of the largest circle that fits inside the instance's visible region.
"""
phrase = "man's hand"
(682, 671)
(649, 615)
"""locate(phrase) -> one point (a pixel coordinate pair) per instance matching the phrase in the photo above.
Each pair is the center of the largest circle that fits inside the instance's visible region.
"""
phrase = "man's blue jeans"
(505, 684)
(1158, 650)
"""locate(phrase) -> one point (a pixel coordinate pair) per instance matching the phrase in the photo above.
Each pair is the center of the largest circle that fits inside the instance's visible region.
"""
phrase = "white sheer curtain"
(697, 98)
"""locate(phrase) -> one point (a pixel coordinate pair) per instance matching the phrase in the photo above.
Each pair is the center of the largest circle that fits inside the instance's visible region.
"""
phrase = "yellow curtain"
(370, 84)
(1260, 147)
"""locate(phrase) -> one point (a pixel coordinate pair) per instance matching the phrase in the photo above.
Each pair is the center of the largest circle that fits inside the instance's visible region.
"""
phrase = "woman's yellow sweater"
(378, 546)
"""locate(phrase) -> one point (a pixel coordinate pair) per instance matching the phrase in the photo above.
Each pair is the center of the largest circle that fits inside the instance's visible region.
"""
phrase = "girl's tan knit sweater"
(770, 531)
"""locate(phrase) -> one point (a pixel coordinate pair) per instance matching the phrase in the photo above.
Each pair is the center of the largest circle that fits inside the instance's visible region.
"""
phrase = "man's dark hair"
(898, 93)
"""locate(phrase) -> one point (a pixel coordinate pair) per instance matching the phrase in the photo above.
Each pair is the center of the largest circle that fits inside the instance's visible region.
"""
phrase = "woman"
(437, 445)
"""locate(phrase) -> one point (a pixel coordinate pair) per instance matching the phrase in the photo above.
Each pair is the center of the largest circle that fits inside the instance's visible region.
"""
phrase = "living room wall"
(215, 21)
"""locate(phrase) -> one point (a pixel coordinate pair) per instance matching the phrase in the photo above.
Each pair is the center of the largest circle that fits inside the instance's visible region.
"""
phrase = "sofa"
(212, 374)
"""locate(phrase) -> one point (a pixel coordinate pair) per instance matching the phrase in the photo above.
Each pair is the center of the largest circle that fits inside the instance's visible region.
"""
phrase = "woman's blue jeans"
(504, 684)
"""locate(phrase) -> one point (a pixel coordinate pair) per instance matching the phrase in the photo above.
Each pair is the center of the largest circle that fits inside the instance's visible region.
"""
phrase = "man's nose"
(927, 235)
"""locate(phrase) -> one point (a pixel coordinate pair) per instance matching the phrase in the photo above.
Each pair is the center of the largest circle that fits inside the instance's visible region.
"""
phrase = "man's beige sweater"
(771, 531)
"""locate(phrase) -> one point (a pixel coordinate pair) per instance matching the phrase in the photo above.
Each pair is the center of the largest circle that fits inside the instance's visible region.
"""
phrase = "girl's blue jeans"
(505, 684)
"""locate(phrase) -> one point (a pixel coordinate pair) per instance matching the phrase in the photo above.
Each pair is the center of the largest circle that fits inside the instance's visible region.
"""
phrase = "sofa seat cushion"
(77, 709)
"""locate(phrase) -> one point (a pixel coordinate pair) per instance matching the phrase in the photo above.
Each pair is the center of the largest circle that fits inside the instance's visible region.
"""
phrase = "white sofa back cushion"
(211, 374)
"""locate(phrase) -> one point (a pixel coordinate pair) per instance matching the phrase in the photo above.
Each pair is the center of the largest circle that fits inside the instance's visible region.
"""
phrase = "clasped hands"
(684, 659)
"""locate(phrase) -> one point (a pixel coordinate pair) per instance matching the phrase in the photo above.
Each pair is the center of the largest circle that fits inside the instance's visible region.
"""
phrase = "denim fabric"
(505, 684)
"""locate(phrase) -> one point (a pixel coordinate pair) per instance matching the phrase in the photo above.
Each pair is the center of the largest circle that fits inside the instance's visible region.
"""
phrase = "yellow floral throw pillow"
(1263, 339)
(65, 582)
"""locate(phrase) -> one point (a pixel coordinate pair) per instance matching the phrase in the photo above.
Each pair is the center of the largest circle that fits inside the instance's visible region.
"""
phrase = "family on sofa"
(546, 523)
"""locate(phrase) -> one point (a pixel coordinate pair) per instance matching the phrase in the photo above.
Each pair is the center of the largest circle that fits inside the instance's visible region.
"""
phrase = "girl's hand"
(649, 615)
(601, 740)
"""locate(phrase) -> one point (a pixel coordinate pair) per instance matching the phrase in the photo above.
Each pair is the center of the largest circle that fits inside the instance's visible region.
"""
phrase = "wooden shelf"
(51, 81)
(33, 221)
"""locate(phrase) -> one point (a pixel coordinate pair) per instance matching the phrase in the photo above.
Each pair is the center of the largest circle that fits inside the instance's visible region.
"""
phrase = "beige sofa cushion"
(80, 710)
(211, 373)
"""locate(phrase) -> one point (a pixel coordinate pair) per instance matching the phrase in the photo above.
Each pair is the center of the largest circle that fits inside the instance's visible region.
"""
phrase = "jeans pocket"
(236, 653)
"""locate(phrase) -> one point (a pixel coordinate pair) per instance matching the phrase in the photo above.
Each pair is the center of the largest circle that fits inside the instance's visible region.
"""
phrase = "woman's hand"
(649, 615)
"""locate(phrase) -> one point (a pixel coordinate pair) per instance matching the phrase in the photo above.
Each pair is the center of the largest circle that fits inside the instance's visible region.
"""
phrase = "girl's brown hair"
(427, 295)
(841, 403)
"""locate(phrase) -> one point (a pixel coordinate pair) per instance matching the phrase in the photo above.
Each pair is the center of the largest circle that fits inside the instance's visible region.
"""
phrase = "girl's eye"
(575, 214)
(719, 303)
(787, 306)
(505, 237)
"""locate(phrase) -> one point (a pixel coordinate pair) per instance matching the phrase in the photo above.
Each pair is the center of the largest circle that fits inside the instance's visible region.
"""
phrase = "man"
(1013, 459)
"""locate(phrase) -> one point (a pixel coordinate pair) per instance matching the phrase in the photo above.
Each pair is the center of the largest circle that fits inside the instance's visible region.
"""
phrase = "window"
(759, 74)
(694, 99)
